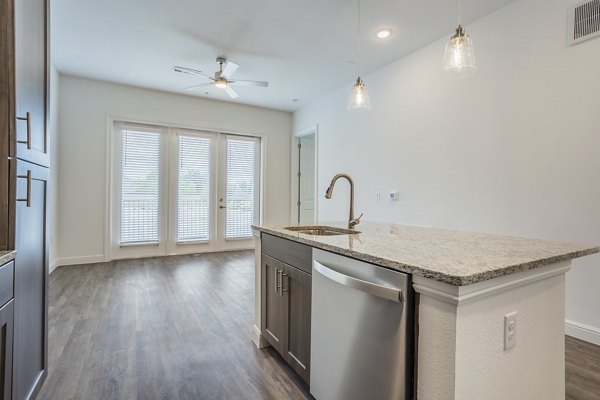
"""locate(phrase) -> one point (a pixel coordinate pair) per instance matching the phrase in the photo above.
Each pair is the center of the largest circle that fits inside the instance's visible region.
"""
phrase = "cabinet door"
(30, 142)
(31, 271)
(6, 350)
(272, 299)
(297, 302)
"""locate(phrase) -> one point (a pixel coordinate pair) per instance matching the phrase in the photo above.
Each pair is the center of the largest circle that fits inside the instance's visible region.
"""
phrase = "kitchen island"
(467, 285)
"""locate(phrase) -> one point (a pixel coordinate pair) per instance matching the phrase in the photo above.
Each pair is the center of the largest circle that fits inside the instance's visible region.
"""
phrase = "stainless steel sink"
(321, 230)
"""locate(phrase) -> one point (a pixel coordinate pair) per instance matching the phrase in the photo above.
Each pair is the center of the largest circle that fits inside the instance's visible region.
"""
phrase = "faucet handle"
(356, 221)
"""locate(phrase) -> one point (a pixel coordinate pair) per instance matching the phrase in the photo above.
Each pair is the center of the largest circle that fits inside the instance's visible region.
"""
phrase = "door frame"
(313, 129)
(169, 125)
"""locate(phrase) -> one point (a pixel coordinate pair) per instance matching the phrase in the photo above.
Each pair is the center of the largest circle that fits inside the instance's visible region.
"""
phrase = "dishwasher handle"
(355, 283)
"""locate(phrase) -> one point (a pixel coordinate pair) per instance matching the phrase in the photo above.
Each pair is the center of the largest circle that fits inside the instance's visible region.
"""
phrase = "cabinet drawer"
(295, 254)
(7, 273)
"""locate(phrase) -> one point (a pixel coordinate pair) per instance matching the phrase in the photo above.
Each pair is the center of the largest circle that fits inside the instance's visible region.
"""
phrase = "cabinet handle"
(282, 288)
(28, 141)
(278, 280)
(28, 177)
(281, 275)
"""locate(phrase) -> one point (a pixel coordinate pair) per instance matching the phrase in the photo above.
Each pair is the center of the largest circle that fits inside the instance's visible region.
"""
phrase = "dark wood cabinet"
(286, 300)
(6, 350)
(273, 325)
(31, 285)
(31, 81)
(296, 287)
(24, 158)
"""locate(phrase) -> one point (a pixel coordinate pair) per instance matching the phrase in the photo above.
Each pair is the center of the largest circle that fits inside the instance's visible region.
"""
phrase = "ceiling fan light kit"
(222, 78)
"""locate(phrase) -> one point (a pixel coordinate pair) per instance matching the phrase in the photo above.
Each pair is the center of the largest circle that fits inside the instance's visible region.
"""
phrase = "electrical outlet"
(510, 330)
(378, 196)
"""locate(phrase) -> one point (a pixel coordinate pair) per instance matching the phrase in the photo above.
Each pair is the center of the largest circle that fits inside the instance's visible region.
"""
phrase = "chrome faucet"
(352, 222)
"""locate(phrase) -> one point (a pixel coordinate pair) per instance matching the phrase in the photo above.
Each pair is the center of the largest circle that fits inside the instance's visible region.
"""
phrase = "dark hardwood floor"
(161, 328)
(179, 328)
(583, 370)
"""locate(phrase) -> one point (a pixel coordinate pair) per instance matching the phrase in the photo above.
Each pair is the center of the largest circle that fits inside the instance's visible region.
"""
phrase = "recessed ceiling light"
(384, 33)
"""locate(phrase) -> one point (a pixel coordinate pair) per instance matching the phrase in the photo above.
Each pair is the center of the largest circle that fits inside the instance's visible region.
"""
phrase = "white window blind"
(194, 189)
(241, 187)
(140, 184)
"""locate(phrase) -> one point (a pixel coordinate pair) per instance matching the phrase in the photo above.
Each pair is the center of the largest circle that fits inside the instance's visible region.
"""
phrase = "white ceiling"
(304, 48)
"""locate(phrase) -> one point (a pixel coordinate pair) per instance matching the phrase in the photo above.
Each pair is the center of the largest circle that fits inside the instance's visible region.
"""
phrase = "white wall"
(512, 150)
(85, 106)
(53, 184)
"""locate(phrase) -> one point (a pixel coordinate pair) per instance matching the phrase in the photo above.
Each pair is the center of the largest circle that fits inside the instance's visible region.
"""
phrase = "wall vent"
(584, 22)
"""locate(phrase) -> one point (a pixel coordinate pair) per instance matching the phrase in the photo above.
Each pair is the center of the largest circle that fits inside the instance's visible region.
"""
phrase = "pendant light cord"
(458, 6)
(358, 38)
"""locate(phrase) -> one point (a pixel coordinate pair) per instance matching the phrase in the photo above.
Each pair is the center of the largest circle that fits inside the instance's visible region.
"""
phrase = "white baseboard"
(52, 266)
(258, 338)
(78, 260)
(583, 332)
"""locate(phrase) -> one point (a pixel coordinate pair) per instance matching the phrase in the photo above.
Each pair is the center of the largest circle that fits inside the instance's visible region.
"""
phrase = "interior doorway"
(304, 182)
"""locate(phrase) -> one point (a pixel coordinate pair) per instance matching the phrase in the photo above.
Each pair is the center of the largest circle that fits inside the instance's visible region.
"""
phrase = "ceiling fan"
(222, 78)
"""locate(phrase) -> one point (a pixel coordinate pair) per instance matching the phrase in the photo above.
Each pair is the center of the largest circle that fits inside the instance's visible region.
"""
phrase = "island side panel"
(461, 338)
(257, 336)
(436, 351)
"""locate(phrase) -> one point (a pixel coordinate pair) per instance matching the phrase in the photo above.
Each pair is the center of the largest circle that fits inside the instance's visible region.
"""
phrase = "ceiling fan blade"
(232, 93)
(229, 69)
(197, 86)
(251, 83)
(190, 71)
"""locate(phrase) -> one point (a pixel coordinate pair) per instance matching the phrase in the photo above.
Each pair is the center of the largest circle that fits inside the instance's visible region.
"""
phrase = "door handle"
(368, 287)
(28, 177)
(28, 141)
(222, 207)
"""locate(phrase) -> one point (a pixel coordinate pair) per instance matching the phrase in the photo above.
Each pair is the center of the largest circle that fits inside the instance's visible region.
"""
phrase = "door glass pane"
(241, 182)
(194, 188)
(140, 176)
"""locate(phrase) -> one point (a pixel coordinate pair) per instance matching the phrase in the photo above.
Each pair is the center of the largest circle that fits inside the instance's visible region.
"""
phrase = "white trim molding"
(258, 338)
(584, 332)
(99, 258)
(53, 266)
(313, 129)
(456, 295)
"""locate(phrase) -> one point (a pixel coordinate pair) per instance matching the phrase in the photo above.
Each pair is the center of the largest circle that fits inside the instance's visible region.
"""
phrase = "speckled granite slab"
(6, 256)
(455, 257)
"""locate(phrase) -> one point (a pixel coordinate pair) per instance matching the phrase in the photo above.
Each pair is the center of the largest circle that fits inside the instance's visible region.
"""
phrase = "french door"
(181, 191)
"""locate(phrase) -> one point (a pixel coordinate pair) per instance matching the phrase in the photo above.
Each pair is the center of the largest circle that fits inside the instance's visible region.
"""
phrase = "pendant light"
(359, 96)
(459, 58)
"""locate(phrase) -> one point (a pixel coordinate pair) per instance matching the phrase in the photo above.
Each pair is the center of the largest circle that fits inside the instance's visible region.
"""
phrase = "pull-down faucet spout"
(352, 222)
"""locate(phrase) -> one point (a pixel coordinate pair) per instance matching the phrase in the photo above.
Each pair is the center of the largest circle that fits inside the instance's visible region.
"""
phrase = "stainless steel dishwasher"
(361, 330)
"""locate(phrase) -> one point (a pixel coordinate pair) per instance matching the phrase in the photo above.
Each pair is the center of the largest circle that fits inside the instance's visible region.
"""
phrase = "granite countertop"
(454, 257)
(6, 256)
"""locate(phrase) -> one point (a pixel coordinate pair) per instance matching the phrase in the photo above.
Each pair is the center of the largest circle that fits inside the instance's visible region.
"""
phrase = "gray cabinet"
(30, 57)
(6, 329)
(31, 284)
(24, 159)
(286, 300)
(6, 350)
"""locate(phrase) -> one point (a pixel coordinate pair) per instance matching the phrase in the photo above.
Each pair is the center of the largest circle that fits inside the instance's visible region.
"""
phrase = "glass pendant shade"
(359, 97)
(459, 58)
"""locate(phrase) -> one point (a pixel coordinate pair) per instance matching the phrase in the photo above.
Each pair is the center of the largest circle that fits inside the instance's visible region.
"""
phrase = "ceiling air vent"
(584, 22)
